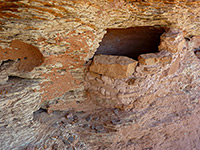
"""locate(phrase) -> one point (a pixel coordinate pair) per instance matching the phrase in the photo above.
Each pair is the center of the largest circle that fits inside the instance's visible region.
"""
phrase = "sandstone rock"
(174, 66)
(28, 55)
(144, 102)
(113, 66)
(164, 73)
(196, 45)
(18, 101)
(172, 41)
(122, 96)
(165, 60)
(148, 59)
(103, 91)
(95, 75)
(107, 80)
(154, 58)
(131, 81)
(165, 57)
(111, 90)
(9, 68)
(151, 70)
(134, 81)
(69, 32)
(196, 41)
(198, 54)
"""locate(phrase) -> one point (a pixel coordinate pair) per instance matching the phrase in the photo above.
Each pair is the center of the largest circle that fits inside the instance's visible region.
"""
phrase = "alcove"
(131, 42)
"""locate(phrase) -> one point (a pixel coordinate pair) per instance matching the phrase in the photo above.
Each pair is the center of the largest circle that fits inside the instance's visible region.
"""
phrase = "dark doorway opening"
(131, 42)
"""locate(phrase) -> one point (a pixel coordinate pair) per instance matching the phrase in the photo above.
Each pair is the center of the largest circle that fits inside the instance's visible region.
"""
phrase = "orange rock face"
(28, 56)
(45, 53)
(113, 66)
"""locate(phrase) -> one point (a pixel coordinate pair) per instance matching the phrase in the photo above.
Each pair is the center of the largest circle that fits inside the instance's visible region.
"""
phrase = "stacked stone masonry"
(107, 87)
(44, 50)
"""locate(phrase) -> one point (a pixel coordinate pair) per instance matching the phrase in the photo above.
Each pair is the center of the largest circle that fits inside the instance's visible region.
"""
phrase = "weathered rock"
(174, 66)
(196, 45)
(154, 58)
(27, 55)
(18, 101)
(113, 66)
(197, 54)
(196, 42)
(165, 59)
(95, 75)
(148, 59)
(172, 41)
(144, 102)
(68, 33)
(107, 80)
(151, 70)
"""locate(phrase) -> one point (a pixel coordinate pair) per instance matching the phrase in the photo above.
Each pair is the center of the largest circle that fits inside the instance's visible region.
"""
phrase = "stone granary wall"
(119, 81)
(45, 53)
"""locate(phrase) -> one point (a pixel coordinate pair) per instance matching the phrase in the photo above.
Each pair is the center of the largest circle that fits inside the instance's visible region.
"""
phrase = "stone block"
(165, 59)
(154, 58)
(172, 41)
(113, 66)
(148, 59)
(151, 70)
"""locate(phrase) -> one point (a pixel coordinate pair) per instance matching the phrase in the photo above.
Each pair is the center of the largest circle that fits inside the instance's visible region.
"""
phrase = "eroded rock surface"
(28, 56)
(113, 66)
(154, 58)
(18, 101)
(173, 41)
(157, 107)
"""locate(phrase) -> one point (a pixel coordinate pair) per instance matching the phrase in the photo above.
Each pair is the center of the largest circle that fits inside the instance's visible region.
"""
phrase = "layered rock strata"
(164, 114)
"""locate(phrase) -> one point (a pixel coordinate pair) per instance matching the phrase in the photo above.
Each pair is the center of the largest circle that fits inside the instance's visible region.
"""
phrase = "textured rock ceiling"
(44, 50)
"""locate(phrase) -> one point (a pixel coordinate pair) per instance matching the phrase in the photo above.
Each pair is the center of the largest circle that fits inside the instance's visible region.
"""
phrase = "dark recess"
(15, 78)
(37, 113)
(131, 42)
(6, 62)
(197, 52)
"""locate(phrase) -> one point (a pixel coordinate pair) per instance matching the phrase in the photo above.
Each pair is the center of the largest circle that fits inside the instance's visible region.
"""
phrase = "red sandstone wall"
(67, 33)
